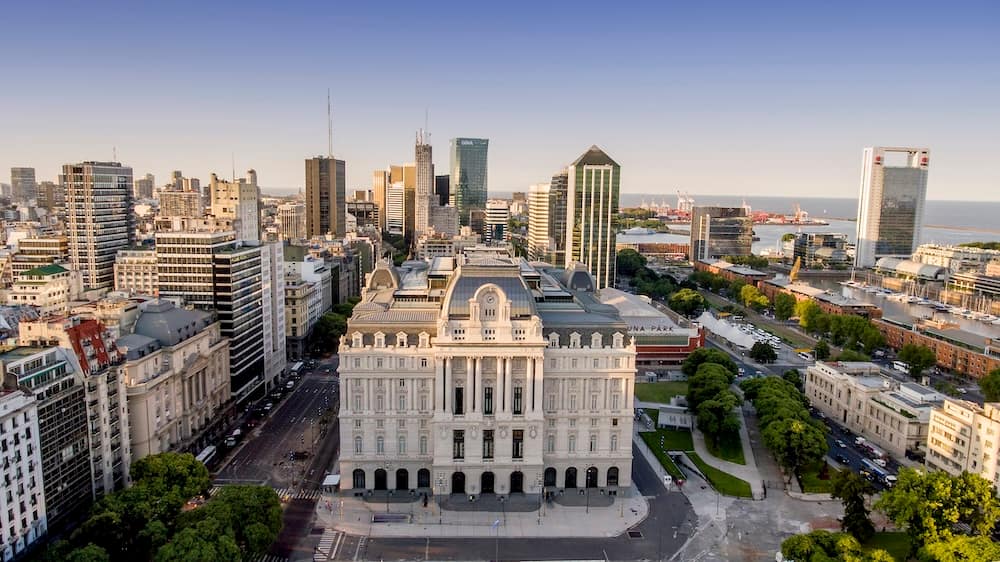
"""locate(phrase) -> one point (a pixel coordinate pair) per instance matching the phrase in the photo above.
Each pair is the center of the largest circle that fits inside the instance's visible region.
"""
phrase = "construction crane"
(793, 275)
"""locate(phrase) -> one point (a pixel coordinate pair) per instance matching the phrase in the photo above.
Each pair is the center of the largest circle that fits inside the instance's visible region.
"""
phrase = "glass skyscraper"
(717, 232)
(891, 204)
(468, 176)
(594, 180)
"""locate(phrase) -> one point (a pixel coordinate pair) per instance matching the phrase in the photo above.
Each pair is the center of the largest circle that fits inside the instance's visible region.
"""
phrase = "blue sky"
(755, 98)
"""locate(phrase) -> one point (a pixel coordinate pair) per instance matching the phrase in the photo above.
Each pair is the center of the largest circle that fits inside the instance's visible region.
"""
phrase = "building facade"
(176, 376)
(37, 251)
(23, 519)
(239, 201)
(954, 349)
(955, 258)
(468, 176)
(891, 205)
(965, 437)
(135, 272)
(818, 250)
(717, 232)
(99, 218)
(496, 229)
(591, 212)
(455, 379)
(23, 187)
(50, 288)
(292, 221)
(547, 220)
(425, 185)
(326, 189)
(142, 188)
(188, 204)
(857, 396)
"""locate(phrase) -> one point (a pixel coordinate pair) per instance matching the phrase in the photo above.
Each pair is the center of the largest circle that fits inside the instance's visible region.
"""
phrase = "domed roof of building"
(169, 325)
(506, 278)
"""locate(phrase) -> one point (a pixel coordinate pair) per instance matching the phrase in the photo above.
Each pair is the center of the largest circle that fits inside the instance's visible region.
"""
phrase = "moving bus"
(207, 455)
(901, 366)
(879, 473)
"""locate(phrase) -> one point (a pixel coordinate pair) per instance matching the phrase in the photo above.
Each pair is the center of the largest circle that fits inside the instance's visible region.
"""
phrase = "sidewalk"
(354, 516)
(746, 472)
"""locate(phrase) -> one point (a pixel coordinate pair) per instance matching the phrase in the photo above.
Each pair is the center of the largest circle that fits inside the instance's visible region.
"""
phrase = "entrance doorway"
(517, 482)
(458, 483)
(570, 478)
(613, 476)
(550, 476)
(486, 483)
(592, 477)
(402, 479)
(381, 480)
(423, 478)
(359, 479)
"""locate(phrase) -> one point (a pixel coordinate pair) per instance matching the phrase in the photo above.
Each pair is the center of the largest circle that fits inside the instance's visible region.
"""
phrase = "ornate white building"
(478, 375)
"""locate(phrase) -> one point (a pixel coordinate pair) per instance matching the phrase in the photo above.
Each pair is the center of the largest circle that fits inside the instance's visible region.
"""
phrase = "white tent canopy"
(725, 330)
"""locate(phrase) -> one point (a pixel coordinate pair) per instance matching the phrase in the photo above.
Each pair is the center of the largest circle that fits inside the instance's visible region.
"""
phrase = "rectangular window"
(550, 444)
(596, 363)
(459, 405)
(518, 401)
(593, 401)
(402, 445)
(593, 443)
(614, 401)
(423, 362)
(572, 443)
(423, 403)
(518, 450)
(423, 444)
(487, 443)
(458, 444)
(488, 400)
(550, 402)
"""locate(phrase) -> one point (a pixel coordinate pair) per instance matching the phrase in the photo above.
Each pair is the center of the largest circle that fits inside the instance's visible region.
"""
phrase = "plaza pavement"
(354, 516)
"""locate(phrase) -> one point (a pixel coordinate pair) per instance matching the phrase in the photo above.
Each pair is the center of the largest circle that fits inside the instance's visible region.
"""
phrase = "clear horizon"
(754, 100)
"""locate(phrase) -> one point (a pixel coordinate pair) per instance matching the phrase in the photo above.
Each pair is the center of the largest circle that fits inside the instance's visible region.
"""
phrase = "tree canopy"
(824, 546)
(821, 351)
(932, 505)
(686, 302)
(751, 297)
(990, 385)
(852, 490)
(792, 436)
(630, 261)
(918, 357)
(709, 355)
(784, 306)
(763, 353)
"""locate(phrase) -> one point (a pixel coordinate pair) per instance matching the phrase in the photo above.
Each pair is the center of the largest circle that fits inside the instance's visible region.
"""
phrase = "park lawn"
(728, 449)
(810, 479)
(723, 482)
(895, 543)
(653, 442)
(660, 392)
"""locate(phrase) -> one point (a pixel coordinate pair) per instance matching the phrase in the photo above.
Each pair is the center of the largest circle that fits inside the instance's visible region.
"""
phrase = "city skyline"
(735, 101)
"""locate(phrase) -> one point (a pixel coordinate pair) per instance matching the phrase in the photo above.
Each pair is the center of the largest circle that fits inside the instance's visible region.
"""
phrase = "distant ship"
(639, 231)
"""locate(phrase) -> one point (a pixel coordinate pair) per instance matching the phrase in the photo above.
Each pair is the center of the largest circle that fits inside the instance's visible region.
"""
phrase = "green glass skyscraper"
(468, 176)
(591, 209)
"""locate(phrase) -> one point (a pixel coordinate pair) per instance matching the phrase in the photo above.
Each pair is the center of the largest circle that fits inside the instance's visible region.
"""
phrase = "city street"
(293, 425)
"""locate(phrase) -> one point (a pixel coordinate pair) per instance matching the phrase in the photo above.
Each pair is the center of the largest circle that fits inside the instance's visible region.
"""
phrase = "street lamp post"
(541, 497)
(437, 492)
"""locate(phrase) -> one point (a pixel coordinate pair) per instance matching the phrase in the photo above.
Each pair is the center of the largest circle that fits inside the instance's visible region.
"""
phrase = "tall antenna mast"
(233, 156)
(329, 126)
(427, 130)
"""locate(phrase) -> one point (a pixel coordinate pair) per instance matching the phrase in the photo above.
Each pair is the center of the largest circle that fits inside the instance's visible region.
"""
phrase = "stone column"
(469, 393)
(538, 368)
(438, 386)
(447, 385)
(478, 401)
(508, 387)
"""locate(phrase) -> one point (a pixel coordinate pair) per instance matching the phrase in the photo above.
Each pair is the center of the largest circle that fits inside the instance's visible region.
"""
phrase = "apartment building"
(22, 497)
(50, 288)
(965, 437)
(857, 396)
(135, 272)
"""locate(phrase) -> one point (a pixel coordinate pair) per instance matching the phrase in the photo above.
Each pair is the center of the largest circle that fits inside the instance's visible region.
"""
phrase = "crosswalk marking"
(283, 493)
(265, 558)
(329, 543)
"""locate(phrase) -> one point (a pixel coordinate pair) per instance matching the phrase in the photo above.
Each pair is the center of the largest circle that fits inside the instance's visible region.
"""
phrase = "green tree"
(784, 306)
(630, 261)
(851, 355)
(795, 443)
(808, 313)
(255, 515)
(918, 357)
(961, 549)
(327, 332)
(171, 473)
(821, 351)
(930, 505)
(717, 417)
(990, 385)
(709, 355)
(853, 490)
(89, 553)
(686, 302)
(793, 376)
(763, 353)
(708, 383)
(208, 541)
(824, 546)
(751, 297)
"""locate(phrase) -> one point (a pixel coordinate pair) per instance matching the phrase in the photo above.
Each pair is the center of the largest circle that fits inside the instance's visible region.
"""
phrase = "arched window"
(614, 442)
(402, 340)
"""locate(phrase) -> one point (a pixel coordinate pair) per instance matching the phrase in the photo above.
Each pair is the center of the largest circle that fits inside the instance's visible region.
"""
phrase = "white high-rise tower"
(891, 203)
